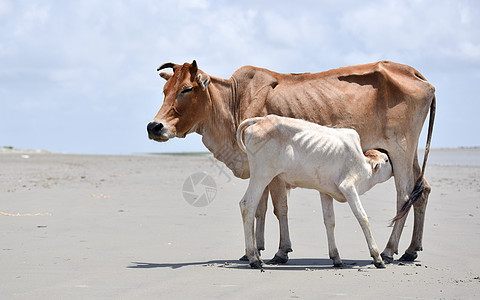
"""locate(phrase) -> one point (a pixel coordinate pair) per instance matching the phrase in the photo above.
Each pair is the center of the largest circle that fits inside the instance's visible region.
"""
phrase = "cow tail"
(419, 187)
(240, 130)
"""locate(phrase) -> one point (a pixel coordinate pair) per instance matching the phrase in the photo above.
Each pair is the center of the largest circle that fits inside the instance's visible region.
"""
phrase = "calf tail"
(241, 128)
(420, 183)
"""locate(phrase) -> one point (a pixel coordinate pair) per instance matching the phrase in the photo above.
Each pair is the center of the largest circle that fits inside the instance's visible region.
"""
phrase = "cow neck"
(218, 130)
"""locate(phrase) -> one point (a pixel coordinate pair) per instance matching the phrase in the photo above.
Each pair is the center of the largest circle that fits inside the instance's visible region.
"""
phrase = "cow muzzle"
(158, 132)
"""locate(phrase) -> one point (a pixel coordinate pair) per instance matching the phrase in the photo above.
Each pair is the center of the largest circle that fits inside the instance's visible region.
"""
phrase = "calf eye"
(386, 160)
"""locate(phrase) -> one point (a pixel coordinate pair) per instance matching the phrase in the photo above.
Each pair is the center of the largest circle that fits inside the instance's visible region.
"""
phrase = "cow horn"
(165, 66)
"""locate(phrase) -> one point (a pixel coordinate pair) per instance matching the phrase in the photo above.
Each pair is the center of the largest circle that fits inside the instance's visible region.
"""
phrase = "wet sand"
(119, 227)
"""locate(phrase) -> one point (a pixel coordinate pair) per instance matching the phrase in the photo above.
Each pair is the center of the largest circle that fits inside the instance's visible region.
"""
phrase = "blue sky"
(80, 76)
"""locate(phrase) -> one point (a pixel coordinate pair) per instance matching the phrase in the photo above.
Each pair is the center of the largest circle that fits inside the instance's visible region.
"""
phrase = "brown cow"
(385, 102)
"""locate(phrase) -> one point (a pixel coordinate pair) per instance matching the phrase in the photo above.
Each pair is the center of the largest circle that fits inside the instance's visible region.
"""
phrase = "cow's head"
(381, 166)
(186, 103)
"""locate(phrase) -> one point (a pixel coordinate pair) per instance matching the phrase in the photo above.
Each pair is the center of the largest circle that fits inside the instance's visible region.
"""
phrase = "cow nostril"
(154, 128)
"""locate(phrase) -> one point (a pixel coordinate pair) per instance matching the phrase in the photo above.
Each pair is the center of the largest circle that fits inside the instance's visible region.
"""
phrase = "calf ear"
(165, 75)
(375, 165)
(203, 81)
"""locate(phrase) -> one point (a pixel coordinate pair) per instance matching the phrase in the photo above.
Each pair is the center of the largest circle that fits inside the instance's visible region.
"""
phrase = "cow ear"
(203, 81)
(193, 70)
(165, 75)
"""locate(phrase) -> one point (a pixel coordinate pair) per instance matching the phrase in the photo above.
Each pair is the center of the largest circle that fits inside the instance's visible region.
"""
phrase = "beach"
(128, 227)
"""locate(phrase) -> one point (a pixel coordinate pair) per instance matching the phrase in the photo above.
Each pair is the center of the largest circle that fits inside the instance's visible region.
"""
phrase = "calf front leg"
(248, 207)
(350, 193)
(329, 221)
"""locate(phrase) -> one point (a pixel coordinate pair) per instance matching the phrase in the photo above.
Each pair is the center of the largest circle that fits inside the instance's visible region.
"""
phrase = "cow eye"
(187, 89)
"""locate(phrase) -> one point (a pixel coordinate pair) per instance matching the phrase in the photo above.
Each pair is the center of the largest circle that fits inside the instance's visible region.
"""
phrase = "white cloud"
(30, 19)
(193, 4)
(280, 30)
(470, 51)
(5, 7)
(89, 57)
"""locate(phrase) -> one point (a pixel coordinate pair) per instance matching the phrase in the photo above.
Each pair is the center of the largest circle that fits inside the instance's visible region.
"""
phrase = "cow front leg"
(248, 207)
(329, 221)
(260, 221)
(353, 200)
(278, 191)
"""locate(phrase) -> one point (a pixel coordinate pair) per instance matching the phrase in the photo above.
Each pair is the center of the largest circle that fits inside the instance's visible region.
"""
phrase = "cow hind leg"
(419, 208)
(392, 244)
(329, 221)
(404, 182)
(278, 191)
(405, 175)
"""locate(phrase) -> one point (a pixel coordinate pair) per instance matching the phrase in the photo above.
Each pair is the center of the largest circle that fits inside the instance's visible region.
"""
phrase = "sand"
(119, 227)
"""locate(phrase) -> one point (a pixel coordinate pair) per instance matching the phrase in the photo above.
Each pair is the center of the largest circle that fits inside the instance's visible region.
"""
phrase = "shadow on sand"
(293, 264)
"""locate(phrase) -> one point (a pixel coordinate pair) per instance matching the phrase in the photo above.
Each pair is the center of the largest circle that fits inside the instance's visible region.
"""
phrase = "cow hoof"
(256, 265)
(408, 257)
(379, 265)
(243, 258)
(386, 259)
(276, 260)
(339, 265)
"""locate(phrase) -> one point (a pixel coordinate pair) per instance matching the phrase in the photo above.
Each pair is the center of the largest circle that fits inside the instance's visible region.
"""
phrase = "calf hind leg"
(248, 207)
(353, 200)
(260, 224)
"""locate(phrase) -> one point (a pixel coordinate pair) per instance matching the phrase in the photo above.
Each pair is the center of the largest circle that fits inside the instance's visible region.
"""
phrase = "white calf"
(304, 154)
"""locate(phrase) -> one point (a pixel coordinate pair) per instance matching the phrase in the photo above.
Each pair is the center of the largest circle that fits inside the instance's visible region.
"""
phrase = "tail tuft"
(414, 196)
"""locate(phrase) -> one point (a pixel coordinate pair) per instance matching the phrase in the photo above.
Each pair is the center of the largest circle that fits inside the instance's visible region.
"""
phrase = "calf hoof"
(379, 265)
(277, 260)
(408, 257)
(386, 259)
(243, 258)
(339, 265)
(256, 265)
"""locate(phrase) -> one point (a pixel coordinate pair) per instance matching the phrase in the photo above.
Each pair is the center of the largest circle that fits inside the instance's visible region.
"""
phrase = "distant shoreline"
(444, 156)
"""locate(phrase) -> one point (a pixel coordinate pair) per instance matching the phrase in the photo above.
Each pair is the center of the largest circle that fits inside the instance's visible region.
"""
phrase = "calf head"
(186, 102)
(381, 166)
